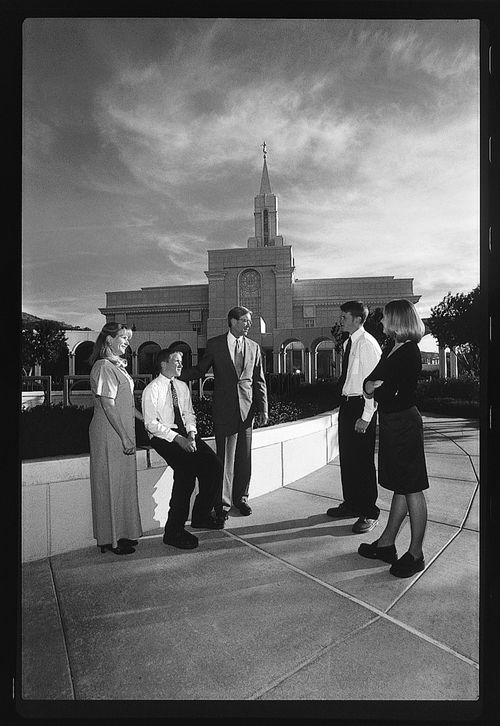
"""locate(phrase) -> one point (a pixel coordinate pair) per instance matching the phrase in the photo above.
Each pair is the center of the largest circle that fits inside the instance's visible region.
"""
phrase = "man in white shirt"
(357, 421)
(171, 425)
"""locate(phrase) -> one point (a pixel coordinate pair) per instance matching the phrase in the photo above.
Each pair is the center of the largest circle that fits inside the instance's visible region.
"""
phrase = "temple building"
(292, 318)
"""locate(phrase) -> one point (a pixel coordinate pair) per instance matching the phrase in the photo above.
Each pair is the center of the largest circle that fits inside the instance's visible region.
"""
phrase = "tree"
(455, 324)
(373, 324)
(41, 342)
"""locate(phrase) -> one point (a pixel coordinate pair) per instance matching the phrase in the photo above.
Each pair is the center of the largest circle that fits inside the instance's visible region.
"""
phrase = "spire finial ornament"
(264, 149)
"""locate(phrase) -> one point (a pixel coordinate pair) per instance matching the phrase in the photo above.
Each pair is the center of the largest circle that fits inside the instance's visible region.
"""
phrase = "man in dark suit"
(240, 394)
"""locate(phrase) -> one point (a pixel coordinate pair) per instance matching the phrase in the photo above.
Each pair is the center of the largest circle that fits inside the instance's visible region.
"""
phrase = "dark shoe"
(208, 523)
(117, 550)
(364, 524)
(183, 540)
(374, 552)
(341, 511)
(221, 515)
(407, 566)
(244, 509)
(124, 542)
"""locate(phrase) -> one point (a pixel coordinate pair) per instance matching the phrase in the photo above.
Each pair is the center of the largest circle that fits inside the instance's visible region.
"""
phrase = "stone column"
(276, 362)
(453, 364)
(134, 363)
(308, 366)
(71, 364)
(442, 362)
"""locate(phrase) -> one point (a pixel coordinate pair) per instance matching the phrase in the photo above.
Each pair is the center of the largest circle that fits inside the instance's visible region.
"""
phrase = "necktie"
(345, 363)
(238, 356)
(181, 429)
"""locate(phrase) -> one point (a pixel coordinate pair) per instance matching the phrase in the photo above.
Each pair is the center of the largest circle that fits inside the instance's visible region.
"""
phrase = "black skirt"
(401, 458)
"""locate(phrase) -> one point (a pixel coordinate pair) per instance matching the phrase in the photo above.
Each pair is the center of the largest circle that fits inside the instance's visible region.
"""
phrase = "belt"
(348, 398)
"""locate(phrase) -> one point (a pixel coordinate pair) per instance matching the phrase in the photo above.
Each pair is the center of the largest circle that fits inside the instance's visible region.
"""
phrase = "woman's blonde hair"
(402, 321)
(111, 329)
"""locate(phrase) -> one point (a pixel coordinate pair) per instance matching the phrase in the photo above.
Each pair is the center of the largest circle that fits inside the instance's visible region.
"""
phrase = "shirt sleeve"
(150, 412)
(104, 380)
(369, 358)
(188, 413)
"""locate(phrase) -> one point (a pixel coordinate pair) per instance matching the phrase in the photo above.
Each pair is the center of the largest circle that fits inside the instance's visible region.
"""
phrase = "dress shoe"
(341, 511)
(407, 566)
(374, 552)
(221, 515)
(125, 542)
(183, 540)
(208, 523)
(120, 550)
(243, 508)
(364, 524)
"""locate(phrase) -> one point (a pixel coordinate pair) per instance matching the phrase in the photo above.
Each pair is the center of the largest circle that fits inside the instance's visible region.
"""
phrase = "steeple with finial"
(265, 212)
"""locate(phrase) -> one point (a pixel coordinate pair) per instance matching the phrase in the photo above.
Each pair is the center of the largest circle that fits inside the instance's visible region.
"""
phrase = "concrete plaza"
(277, 607)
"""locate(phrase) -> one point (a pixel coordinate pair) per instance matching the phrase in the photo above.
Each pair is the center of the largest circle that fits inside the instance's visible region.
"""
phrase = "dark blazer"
(233, 396)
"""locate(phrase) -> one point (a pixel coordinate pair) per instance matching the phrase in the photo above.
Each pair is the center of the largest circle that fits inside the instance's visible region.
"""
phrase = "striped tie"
(181, 429)
(238, 356)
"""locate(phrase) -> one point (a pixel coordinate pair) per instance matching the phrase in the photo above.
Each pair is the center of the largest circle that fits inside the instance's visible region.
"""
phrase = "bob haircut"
(236, 314)
(402, 321)
(111, 329)
(357, 309)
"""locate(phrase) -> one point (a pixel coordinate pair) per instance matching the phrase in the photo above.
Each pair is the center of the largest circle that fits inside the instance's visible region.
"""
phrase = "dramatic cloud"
(142, 151)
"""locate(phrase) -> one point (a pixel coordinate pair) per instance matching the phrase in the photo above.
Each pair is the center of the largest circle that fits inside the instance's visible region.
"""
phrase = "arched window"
(250, 288)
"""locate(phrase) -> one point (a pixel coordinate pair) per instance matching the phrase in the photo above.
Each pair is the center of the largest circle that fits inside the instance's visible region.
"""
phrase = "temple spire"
(265, 186)
(265, 213)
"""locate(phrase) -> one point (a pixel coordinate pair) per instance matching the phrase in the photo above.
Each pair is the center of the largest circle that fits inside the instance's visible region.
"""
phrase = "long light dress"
(113, 474)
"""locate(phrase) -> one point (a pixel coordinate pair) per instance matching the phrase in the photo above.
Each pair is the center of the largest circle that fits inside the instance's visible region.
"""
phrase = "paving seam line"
(361, 603)
(63, 630)
(310, 659)
(383, 509)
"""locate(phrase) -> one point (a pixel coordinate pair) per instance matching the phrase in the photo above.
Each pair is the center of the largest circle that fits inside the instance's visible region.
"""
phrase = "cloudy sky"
(142, 150)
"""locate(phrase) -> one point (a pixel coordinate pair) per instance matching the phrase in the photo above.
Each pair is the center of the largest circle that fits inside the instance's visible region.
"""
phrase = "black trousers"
(357, 460)
(201, 464)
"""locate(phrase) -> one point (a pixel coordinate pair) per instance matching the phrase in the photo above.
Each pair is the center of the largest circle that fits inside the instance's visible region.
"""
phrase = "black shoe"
(120, 550)
(341, 511)
(244, 509)
(182, 539)
(374, 552)
(220, 516)
(124, 542)
(407, 566)
(208, 522)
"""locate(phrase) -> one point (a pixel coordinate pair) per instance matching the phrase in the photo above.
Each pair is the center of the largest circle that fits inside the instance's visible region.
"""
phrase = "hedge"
(60, 431)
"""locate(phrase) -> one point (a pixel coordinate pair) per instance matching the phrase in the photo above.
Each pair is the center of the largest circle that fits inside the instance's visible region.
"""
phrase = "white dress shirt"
(158, 408)
(364, 356)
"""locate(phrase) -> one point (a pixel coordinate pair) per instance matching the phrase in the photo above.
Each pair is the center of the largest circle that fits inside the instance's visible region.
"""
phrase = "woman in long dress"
(113, 469)
(401, 459)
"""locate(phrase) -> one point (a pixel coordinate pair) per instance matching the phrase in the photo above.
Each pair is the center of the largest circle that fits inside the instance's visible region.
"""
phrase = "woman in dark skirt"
(401, 460)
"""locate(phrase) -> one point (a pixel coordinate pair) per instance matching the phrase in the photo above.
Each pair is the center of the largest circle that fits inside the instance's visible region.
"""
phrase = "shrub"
(465, 388)
(60, 431)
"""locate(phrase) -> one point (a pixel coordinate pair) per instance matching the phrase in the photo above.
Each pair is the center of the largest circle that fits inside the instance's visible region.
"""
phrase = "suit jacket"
(233, 397)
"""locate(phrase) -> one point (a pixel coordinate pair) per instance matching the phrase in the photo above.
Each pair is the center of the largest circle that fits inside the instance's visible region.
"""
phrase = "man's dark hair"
(357, 309)
(236, 313)
(164, 355)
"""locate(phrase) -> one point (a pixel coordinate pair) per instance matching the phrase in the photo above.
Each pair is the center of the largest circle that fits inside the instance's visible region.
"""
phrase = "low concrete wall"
(56, 505)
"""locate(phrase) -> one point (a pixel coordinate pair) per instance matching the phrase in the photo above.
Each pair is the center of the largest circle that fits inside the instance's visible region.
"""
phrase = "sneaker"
(407, 566)
(364, 524)
(374, 552)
